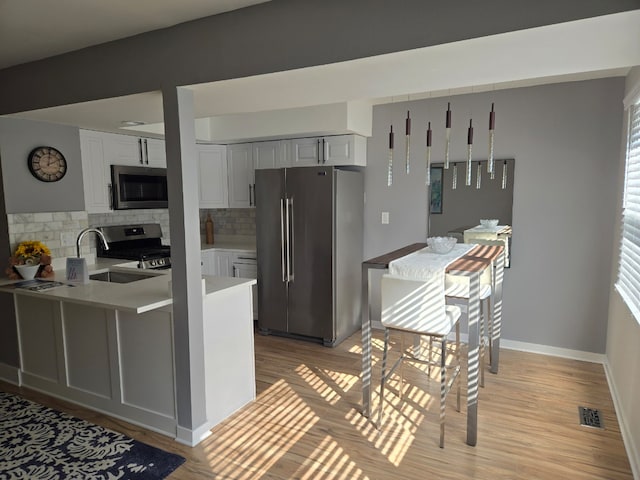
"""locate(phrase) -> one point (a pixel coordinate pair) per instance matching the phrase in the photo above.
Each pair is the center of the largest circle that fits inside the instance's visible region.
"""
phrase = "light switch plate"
(385, 218)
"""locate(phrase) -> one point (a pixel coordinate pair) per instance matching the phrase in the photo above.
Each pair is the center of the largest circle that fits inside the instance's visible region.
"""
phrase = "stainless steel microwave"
(138, 187)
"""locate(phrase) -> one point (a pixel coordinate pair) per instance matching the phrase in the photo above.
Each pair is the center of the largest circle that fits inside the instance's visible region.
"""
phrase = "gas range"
(142, 242)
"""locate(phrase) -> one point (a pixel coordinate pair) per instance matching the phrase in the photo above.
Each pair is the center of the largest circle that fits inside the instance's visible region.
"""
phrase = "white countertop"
(139, 296)
(229, 242)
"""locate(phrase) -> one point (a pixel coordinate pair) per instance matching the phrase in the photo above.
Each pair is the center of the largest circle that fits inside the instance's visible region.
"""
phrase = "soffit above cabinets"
(332, 119)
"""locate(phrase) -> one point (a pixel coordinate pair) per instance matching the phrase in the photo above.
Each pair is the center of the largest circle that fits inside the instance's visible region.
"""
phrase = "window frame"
(629, 251)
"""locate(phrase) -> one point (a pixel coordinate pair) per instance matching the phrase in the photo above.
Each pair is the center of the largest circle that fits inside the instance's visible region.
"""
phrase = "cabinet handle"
(110, 187)
(250, 196)
(140, 149)
(319, 153)
(254, 194)
(146, 151)
(324, 152)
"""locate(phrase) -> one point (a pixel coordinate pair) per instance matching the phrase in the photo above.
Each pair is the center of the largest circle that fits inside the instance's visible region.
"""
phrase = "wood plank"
(306, 422)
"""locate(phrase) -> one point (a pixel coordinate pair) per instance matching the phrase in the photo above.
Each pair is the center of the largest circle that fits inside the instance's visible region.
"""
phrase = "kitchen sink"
(119, 277)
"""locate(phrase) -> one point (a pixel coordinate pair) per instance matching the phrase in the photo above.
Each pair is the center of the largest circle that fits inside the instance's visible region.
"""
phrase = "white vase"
(27, 271)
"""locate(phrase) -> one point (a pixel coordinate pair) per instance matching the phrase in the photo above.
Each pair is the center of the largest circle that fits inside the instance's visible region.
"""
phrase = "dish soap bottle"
(208, 224)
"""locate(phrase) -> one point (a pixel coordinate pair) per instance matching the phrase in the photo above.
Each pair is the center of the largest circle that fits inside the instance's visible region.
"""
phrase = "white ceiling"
(599, 47)
(35, 29)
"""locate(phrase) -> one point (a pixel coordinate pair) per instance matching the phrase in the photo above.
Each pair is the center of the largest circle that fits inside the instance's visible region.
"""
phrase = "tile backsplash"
(57, 230)
(230, 221)
(131, 217)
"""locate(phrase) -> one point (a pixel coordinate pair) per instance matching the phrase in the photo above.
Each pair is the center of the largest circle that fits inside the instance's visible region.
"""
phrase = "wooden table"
(471, 265)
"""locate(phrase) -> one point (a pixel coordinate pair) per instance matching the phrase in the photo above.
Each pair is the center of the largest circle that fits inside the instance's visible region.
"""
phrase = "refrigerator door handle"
(282, 239)
(290, 242)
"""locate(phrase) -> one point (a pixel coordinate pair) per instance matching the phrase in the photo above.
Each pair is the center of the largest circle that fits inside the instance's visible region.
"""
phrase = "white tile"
(43, 217)
(79, 215)
(16, 228)
(61, 216)
(50, 226)
(23, 218)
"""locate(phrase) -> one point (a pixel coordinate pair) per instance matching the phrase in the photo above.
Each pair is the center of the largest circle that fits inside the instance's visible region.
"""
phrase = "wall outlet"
(385, 218)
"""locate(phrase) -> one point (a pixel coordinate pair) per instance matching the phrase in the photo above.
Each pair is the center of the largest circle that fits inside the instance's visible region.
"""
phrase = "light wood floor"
(306, 423)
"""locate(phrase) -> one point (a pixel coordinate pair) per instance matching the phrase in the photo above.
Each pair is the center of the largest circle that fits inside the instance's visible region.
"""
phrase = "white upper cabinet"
(100, 150)
(269, 154)
(241, 175)
(304, 152)
(155, 152)
(333, 150)
(344, 150)
(95, 173)
(130, 150)
(212, 178)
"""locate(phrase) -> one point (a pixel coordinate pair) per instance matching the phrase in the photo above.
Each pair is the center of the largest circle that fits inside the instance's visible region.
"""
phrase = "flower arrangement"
(30, 252)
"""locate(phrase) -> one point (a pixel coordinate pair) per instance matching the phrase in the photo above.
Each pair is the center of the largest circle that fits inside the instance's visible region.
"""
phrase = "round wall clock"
(47, 164)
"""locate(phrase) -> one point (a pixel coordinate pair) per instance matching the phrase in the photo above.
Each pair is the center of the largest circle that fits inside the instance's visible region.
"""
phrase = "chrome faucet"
(87, 230)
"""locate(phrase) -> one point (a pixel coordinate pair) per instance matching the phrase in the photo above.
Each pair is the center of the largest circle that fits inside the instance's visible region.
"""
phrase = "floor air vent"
(590, 417)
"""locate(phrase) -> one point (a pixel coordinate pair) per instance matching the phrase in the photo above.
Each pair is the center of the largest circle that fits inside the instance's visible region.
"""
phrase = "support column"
(182, 175)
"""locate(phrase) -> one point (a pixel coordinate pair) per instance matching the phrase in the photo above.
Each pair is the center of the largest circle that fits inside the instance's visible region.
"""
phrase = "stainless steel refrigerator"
(309, 223)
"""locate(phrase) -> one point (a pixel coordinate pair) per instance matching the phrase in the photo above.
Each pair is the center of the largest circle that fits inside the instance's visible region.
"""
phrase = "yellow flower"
(31, 251)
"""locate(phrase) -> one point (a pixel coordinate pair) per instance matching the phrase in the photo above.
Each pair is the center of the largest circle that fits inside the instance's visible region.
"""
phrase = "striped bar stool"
(418, 307)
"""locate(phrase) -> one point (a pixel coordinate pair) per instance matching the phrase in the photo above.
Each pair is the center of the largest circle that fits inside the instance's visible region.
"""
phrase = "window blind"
(628, 284)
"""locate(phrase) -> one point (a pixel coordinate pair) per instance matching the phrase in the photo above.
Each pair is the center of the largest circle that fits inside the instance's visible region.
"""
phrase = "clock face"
(47, 164)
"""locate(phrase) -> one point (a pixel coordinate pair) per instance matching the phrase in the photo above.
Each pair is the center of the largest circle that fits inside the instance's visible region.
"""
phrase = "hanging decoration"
(447, 144)
(428, 182)
(469, 145)
(491, 168)
(408, 135)
(504, 175)
(390, 166)
(479, 176)
(454, 182)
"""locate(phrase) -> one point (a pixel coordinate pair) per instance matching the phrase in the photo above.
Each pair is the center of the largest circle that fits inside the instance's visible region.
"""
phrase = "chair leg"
(443, 389)
(384, 374)
(401, 388)
(490, 327)
(458, 365)
(430, 357)
(483, 317)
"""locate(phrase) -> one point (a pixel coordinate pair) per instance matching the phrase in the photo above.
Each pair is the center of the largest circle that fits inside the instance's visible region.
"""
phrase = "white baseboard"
(553, 351)
(633, 453)
(10, 374)
(191, 438)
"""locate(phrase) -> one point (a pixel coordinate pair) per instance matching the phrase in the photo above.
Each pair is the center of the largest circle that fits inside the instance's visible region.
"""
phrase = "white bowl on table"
(489, 223)
(441, 244)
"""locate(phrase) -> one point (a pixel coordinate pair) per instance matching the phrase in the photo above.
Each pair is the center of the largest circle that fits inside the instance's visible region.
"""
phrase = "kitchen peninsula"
(110, 346)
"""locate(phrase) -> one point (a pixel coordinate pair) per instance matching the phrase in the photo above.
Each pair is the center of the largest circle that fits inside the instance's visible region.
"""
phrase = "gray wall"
(565, 140)
(274, 36)
(22, 192)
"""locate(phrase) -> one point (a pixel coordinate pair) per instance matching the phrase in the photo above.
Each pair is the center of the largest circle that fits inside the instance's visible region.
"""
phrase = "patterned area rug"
(37, 442)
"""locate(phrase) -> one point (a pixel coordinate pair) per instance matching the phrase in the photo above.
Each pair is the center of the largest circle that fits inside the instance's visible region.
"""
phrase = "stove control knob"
(152, 263)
